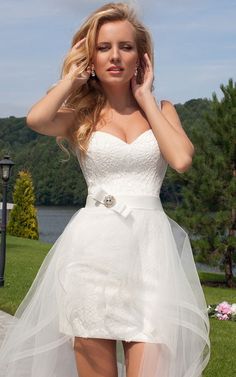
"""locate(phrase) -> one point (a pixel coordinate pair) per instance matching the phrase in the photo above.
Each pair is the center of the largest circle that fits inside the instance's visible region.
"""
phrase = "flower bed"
(222, 311)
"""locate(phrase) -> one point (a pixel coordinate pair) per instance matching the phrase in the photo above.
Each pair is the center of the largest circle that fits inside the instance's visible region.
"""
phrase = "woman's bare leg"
(133, 356)
(95, 357)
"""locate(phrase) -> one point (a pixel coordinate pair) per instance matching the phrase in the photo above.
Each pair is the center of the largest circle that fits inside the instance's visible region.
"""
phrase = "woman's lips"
(115, 69)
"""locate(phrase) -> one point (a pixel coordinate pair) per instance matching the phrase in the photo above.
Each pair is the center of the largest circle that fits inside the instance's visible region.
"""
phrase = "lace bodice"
(120, 168)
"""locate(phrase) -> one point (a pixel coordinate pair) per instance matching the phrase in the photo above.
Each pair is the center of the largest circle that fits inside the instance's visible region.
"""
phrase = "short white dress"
(121, 269)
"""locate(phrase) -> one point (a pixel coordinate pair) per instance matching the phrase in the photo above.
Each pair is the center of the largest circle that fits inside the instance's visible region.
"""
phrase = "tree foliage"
(23, 217)
(208, 194)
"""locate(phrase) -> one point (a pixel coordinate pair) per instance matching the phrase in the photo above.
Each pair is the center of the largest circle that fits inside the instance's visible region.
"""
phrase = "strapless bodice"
(120, 168)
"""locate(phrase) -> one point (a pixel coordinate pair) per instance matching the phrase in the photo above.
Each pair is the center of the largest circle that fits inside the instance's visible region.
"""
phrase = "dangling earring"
(136, 71)
(93, 74)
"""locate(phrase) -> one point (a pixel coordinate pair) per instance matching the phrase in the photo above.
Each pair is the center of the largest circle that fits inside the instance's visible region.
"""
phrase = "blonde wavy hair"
(88, 100)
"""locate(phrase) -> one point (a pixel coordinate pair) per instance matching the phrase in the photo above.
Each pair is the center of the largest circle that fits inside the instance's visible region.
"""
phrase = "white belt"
(122, 204)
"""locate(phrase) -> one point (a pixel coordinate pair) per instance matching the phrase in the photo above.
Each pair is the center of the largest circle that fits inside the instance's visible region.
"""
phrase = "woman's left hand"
(141, 90)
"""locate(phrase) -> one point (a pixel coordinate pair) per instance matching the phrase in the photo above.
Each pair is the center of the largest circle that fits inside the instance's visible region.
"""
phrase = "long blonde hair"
(89, 99)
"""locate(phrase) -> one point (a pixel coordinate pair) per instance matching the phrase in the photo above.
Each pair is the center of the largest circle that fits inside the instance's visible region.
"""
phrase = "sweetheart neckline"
(122, 141)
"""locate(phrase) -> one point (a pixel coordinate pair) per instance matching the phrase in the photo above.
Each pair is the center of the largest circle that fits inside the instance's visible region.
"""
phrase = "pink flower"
(222, 317)
(223, 308)
(225, 317)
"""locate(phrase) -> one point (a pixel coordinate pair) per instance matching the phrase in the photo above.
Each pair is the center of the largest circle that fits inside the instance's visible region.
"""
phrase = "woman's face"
(115, 55)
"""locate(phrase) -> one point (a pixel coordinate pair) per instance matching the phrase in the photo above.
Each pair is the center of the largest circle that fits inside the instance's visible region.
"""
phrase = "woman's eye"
(127, 47)
(105, 48)
(102, 48)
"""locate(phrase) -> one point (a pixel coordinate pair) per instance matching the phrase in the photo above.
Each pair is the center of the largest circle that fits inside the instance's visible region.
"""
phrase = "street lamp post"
(5, 171)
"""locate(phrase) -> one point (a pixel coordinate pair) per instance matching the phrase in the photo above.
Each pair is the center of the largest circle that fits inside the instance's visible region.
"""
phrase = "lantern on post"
(5, 172)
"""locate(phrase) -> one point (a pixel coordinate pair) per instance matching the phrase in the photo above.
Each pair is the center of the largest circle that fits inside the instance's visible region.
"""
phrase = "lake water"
(53, 220)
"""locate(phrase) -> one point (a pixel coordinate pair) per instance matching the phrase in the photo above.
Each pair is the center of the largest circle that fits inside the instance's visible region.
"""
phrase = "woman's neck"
(119, 98)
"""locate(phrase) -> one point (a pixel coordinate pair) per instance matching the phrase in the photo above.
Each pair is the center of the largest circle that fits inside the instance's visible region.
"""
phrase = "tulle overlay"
(112, 277)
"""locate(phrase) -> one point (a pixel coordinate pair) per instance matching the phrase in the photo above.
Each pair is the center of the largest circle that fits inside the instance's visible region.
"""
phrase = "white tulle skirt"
(111, 277)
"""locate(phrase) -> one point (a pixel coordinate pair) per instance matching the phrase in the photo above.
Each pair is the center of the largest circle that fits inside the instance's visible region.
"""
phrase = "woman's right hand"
(74, 74)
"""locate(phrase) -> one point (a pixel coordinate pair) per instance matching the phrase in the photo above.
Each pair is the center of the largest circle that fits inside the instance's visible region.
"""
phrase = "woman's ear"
(93, 73)
(140, 70)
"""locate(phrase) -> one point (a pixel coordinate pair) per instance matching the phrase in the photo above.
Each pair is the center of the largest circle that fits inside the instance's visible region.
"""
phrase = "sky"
(194, 42)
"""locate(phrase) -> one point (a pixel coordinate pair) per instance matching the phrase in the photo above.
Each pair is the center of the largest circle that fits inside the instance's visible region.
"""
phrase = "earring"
(93, 74)
(136, 71)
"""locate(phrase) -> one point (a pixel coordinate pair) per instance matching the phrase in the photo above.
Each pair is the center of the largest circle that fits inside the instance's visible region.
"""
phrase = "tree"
(208, 206)
(23, 217)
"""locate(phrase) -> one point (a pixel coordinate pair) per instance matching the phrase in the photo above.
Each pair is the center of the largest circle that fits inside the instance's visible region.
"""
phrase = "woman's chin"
(116, 81)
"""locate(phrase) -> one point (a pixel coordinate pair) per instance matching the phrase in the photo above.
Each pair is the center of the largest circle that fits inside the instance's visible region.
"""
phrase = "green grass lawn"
(222, 336)
(24, 258)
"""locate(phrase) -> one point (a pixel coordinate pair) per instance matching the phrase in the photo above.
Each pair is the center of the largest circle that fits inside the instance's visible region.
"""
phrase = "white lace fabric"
(125, 169)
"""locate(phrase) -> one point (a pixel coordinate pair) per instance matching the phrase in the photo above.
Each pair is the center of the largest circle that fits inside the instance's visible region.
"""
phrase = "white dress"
(117, 277)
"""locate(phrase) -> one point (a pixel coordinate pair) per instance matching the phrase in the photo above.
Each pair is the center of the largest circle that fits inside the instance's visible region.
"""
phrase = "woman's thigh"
(95, 357)
(133, 356)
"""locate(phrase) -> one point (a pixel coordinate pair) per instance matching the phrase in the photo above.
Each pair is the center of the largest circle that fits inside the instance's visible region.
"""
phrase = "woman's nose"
(115, 55)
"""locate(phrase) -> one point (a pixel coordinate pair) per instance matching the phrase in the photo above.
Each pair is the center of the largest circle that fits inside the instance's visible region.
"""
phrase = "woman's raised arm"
(47, 115)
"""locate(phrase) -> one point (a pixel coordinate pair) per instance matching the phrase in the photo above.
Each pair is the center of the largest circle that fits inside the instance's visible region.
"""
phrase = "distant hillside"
(62, 183)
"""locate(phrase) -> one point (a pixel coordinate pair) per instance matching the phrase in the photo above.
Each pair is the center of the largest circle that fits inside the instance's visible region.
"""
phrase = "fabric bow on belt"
(103, 197)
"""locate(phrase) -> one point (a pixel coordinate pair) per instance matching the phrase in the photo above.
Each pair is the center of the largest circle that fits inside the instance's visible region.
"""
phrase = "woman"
(121, 270)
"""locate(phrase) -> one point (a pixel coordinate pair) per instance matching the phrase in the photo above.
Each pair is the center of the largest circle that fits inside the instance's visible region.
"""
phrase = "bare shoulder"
(168, 109)
(170, 113)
